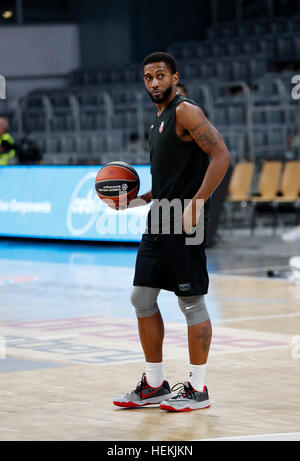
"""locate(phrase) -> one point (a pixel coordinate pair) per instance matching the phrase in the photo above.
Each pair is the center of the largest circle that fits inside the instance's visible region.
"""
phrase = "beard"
(161, 99)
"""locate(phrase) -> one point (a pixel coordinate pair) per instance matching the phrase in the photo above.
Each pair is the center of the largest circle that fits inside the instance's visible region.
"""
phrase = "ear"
(175, 78)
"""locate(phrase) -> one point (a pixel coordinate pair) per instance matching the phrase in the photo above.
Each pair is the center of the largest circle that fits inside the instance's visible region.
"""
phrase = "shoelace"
(183, 391)
(140, 385)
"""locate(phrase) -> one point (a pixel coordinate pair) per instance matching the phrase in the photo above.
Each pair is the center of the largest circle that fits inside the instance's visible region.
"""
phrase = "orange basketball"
(117, 181)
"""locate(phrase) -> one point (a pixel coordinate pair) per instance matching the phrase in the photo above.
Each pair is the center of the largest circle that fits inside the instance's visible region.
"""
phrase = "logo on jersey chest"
(161, 127)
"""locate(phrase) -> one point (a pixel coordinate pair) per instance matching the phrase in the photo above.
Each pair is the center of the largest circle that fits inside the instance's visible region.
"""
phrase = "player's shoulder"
(187, 106)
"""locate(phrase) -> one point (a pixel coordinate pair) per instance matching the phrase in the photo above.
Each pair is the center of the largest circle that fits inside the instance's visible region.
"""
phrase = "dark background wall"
(153, 26)
(125, 31)
(104, 32)
(115, 32)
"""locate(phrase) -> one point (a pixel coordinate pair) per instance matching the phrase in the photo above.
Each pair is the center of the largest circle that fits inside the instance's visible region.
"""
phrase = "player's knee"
(194, 309)
(144, 300)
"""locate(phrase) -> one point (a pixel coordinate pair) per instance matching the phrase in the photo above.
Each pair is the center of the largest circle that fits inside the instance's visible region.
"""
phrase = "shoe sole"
(131, 404)
(170, 408)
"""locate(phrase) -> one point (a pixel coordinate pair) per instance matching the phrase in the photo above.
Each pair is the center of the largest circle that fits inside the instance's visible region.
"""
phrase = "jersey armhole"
(174, 121)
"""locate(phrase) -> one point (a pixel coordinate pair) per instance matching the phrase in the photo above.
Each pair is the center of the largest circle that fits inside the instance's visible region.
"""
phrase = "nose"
(154, 83)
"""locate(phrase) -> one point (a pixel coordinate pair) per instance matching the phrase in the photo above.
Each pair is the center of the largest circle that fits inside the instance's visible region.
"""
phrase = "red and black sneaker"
(144, 395)
(187, 399)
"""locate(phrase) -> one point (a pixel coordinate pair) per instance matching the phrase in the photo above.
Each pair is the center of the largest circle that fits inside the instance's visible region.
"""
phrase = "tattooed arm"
(192, 121)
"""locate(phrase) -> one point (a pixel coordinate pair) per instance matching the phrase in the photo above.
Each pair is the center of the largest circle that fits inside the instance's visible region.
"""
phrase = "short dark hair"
(160, 56)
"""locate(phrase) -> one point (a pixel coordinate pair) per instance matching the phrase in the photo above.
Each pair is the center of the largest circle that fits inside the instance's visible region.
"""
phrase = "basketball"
(117, 181)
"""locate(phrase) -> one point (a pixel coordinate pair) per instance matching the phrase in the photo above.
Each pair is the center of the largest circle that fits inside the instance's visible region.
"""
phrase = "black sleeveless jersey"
(177, 167)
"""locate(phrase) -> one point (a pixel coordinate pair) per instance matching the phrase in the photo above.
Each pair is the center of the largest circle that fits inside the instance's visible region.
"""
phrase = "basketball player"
(188, 161)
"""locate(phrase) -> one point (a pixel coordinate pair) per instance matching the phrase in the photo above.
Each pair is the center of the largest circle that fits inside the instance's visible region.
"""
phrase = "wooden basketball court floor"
(69, 344)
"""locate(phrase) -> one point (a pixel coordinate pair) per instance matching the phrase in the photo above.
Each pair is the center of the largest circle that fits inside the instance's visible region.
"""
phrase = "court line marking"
(250, 277)
(280, 434)
(253, 269)
(49, 338)
(230, 320)
(259, 317)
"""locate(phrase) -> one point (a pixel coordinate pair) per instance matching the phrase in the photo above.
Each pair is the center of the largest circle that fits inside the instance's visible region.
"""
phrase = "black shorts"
(165, 261)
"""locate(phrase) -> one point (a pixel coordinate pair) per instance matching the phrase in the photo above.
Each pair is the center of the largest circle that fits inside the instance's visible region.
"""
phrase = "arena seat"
(240, 182)
(290, 183)
(268, 186)
(268, 183)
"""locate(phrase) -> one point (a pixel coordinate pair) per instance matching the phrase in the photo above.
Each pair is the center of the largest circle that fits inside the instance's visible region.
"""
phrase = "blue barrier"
(60, 202)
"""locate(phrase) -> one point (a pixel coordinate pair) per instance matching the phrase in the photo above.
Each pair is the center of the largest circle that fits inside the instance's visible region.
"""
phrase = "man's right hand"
(123, 203)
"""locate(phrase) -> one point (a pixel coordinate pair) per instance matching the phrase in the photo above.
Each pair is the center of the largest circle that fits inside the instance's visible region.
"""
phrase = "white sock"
(197, 376)
(154, 374)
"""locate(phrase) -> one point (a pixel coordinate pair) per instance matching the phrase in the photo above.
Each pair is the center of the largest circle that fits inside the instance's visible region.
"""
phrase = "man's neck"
(161, 107)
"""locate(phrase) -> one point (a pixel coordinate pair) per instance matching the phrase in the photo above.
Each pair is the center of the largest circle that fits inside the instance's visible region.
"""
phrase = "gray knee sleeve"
(144, 299)
(193, 308)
